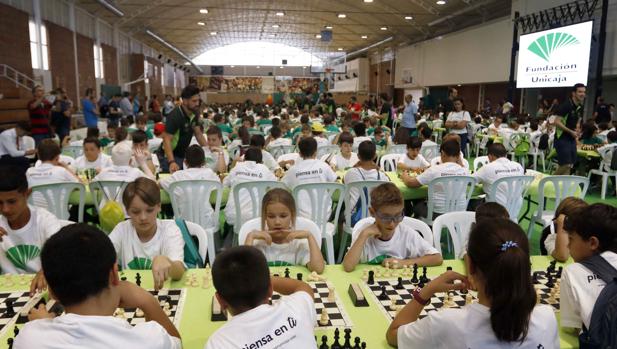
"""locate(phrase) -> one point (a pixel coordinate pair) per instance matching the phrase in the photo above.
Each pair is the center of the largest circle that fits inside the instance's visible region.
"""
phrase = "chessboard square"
(322, 294)
(330, 305)
(406, 296)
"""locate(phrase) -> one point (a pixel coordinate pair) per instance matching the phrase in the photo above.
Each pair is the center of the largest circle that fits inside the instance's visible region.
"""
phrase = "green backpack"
(192, 259)
(522, 144)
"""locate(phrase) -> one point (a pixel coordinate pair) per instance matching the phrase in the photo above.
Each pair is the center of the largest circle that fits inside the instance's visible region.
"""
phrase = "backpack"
(110, 215)
(543, 143)
(522, 145)
(601, 332)
(192, 259)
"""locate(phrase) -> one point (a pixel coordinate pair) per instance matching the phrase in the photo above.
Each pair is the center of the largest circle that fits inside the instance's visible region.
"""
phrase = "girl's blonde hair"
(570, 206)
(278, 195)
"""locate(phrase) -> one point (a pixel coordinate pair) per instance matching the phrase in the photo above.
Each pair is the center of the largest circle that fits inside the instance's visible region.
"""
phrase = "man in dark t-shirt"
(181, 124)
(602, 112)
(39, 108)
(567, 121)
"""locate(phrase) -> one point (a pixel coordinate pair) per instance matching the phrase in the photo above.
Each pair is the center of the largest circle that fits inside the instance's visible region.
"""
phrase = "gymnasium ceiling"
(249, 20)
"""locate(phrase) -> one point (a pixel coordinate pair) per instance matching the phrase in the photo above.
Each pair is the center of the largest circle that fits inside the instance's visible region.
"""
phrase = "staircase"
(13, 105)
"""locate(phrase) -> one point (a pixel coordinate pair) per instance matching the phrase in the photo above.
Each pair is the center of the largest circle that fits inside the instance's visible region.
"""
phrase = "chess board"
(337, 317)
(403, 296)
(21, 300)
(175, 297)
(544, 291)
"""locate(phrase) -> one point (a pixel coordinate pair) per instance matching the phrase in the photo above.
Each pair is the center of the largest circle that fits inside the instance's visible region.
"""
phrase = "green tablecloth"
(369, 323)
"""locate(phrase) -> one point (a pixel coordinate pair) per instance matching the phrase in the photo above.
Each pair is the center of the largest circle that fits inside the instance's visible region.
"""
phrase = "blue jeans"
(464, 141)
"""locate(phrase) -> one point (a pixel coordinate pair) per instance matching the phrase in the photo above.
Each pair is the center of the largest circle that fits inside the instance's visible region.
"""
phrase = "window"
(257, 53)
(98, 62)
(34, 47)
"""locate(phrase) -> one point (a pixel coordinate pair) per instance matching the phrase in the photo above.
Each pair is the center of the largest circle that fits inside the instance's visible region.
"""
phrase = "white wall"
(475, 55)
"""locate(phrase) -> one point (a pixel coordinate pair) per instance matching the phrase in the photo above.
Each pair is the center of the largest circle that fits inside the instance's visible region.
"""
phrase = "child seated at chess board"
(244, 286)
(92, 157)
(592, 232)
(506, 314)
(412, 160)
(280, 242)
(554, 239)
(79, 264)
(385, 239)
(145, 242)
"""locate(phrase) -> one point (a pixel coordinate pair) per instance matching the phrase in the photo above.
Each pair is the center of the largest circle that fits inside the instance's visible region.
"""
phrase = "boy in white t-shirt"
(51, 170)
(450, 155)
(93, 157)
(384, 239)
(360, 135)
(244, 286)
(194, 169)
(259, 142)
(345, 158)
(592, 232)
(495, 126)
(275, 139)
(412, 160)
(309, 170)
(217, 157)
(90, 290)
(145, 242)
(139, 139)
(364, 170)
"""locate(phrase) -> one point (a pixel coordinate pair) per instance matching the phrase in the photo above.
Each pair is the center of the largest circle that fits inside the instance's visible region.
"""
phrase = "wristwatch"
(418, 298)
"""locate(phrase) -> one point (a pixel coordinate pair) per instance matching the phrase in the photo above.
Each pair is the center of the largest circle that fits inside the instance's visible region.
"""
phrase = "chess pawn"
(365, 275)
(387, 265)
(468, 298)
(331, 295)
(395, 265)
(206, 282)
(538, 296)
(323, 319)
(139, 312)
(166, 309)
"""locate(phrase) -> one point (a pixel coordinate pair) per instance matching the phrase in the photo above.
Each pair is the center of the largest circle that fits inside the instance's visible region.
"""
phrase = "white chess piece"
(331, 295)
(323, 320)
(139, 312)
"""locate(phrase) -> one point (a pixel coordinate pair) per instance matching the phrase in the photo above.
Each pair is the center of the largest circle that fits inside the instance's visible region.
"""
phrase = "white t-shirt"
(8, 144)
(21, 248)
(493, 129)
(155, 162)
(188, 174)
(500, 168)
(442, 170)
(470, 327)
(119, 173)
(268, 160)
(287, 323)
(65, 159)
(290, 156)
(296, 252)
(48, 173)
(103, 161)
(245, 171)
(322, 142)
(418, 162)
(358, 140)
(135, 254)
(428, 143)
(309, 171)
(93, 332)
(358, 174)
(580, 289)
(213, 158)
(606, 151)
(279, 142)
(437, 161)
(459, 116)
(341, 163)
(406, 243)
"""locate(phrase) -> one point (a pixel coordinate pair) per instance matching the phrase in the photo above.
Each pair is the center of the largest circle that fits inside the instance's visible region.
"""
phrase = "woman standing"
(457, 123)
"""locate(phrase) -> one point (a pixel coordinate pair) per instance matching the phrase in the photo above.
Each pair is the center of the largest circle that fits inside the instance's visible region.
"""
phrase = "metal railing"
(20, 79)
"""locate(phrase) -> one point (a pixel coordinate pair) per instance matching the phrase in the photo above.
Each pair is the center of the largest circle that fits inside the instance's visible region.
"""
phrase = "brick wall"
(110, 64)
(62, 59)
(136, 64)
(85, 64)
(154, 77)
(14, 48)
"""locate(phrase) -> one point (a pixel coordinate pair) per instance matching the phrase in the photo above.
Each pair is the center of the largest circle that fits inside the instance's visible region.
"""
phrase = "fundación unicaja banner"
(554, 58)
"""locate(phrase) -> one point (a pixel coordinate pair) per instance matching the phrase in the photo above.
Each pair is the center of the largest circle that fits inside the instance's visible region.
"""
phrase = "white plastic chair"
(256, 191)
(479, 162)
(397, 149)
(56, 197)
(28, 144)
(317, 193)
(458, 225)
(564, 186)
(73, 151)
(429, 152)
(301, 224)
(327, 149)
(154, 144)
(280, 150)
(604, 170)
(107, 190)
(452, 186)
(188, 199)
(64, 223)
(420, 227)
(514, 189)
(389, 162)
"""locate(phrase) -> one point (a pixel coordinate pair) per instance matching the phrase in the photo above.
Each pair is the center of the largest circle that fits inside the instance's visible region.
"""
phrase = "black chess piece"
(423, 278)
(347, 344)
(549, 282)
(383, 296)
(448, 268)
(534, 277)
(299, 276)
(551, 267)
(363, 345)
(371, 277)
(10, 312)
(414, 278)
(324, 342)
(15, 331)
(421, 284)
(559, 271)
(400, 286)
(356, 343)
(336, 344)
(138, 279)
(123, 278)
(9, 342)
(287, 272)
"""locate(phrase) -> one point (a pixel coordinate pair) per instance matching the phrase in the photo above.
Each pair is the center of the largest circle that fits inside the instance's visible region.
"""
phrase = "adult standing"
(126, 106)
(355, 108)
(168, 105)
(409, 115)
(91, 112)
(155, 106)
(385, 113)
(39, 108)
(448, 105)
(602, 112)
(182, 123)
(115, 113)
(457, 122)
(567, 120)
(61, 114)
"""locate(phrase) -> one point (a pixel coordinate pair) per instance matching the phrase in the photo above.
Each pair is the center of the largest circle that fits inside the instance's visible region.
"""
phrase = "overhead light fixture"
(258, 67)
(233, 66)
(116, 11)
(281, 67)
(368, 1)
(187, 63)
(328, 27)
(459, 85)
(318, 36)
(272, 35)
(340, 49)
(276, 26)
(409, 18)
(203, 10)
(280, 14)
(201, 23)
(440, 2)
(384, 28)
(303, 67)
(213, 33)
(341, 15)
(364, 36)
(173, 48)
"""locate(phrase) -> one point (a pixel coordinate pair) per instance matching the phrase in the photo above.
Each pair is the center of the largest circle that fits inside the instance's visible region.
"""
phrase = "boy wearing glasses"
(383, 239)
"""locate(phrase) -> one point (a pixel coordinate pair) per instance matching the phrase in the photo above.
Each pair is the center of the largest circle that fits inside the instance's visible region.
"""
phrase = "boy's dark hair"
(94, 141)
(76, 262)
(241, 277)
(450, 147)
(141, 119)
(498, 150)
(48, 150)
(359, 129)
(599, 220)
(253, 154)
(345, 137)
(13, 178)
(195, 156)
(427, 132)
(603, 126)
(378, 130)
(307, 147)
(218, 118)
(491, 210)
(120, 135)
(367, 151)
(214, 130)
(386, 194)
(577, 86)
(304, 119)
(139, 136)
(414, 143)
(506, 271)
(24, 125)
(189, 91)
(533, 125)
(258, 141)
(276, 122)
(275, 131)
(92, 132)
(612, 136)
(327, 120)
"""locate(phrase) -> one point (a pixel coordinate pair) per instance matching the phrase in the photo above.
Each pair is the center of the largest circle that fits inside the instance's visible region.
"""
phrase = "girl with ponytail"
(505, 314)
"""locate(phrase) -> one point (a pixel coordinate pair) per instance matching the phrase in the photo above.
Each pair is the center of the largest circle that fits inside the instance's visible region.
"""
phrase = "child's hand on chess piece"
(38, 284)
(39, 313)
(258, 235)
(447, 282)
(161, 267)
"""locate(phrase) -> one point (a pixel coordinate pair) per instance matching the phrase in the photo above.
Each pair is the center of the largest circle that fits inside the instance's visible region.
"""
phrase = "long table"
(369, 323)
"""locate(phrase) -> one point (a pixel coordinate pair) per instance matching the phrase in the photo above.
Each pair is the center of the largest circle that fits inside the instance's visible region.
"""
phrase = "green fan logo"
(545, 45)
(20, 255)
(139, 263)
